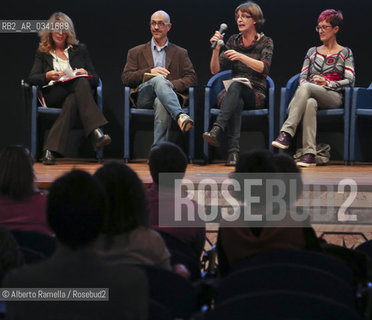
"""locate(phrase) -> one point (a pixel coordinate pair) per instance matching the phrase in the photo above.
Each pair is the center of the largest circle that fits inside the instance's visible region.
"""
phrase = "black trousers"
(229, 119)
(77, 101)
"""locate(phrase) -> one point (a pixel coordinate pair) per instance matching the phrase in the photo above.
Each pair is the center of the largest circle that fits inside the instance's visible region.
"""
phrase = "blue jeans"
(157, 93)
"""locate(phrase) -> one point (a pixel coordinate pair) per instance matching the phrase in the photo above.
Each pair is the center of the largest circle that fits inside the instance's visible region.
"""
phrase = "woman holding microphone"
(249, 56)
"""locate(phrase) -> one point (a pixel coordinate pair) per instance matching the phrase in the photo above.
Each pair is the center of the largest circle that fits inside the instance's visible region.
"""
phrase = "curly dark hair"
(76, 208)
(128, 205)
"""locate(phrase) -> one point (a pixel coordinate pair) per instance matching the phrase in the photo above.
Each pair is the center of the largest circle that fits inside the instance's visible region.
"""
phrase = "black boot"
(232, 159)
(48, 158)
(99, 139)
(212, 136)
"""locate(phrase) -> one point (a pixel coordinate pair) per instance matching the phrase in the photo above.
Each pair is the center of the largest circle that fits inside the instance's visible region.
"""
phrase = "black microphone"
(223, 27)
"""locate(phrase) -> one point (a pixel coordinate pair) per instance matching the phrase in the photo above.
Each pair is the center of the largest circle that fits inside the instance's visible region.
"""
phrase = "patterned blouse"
(261, 50)
(337, 68)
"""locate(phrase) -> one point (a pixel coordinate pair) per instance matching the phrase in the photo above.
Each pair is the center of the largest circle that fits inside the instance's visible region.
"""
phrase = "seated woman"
(249, 56)
(63, 70)
(22, 205)
(326, 72)
(126, 236)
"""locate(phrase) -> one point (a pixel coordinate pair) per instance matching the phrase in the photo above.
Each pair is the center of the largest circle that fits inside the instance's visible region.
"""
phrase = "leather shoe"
(48, 158)
(307, 160)
(212, 136)
(99, 139)
(282, 141)
(232, 159)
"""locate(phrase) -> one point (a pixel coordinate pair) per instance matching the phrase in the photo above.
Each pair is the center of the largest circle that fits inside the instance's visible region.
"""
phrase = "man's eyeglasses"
(323, 28)
(160, 24)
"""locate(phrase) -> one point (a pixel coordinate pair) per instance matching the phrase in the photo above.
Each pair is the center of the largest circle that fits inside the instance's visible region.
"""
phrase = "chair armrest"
(99, 95)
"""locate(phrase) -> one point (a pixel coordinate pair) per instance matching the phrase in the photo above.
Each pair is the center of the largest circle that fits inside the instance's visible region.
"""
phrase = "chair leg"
(206, 161)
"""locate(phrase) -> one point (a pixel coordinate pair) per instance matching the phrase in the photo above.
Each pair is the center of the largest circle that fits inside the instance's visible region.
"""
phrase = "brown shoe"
(185, 122)
(282, 141)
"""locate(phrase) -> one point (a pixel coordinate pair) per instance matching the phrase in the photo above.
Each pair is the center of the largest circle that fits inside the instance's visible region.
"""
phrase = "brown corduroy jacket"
(139, 61)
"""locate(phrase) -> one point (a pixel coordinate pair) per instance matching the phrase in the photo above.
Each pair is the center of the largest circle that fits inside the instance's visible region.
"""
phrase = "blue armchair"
(214, 86)
(37, 110)
(129, 111)
(361, 111)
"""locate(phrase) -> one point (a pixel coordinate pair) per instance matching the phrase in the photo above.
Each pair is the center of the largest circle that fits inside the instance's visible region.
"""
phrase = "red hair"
(332, 16)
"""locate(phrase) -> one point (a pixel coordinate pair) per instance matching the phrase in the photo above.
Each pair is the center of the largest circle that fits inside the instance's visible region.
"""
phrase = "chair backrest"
(365, 247)
(172, 291)
(157, 311)
(299, 257)
(360, 116)
(289, 277)
(31, 256)
(273, 305)
(35, 241)
(287, 94)
(216, 85)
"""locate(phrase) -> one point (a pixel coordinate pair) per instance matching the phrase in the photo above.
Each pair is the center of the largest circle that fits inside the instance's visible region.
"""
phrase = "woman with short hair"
(326, 72)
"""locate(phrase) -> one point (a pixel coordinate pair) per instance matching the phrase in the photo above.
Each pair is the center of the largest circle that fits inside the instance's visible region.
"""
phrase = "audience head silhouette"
(128, 206)
(256, 161)
(16, 172)
(167, 158)
(76, 207)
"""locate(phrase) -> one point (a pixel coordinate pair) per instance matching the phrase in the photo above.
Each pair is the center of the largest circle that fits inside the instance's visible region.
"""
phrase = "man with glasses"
(160, 74)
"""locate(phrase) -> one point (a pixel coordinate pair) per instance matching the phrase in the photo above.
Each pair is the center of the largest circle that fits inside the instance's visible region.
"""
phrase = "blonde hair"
(46, 41)
(254, 10)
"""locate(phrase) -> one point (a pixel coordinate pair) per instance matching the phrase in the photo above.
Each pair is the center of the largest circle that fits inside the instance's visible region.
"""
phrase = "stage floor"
(330, 174)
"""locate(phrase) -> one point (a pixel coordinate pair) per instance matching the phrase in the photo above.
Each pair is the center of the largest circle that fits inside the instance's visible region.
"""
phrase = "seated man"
(174, 72)
(76, 207)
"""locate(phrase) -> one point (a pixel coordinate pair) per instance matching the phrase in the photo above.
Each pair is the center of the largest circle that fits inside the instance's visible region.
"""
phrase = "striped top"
(261, 50)
(337, 68)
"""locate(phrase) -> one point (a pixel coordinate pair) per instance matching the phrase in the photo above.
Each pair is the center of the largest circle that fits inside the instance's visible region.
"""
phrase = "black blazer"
(78, 56)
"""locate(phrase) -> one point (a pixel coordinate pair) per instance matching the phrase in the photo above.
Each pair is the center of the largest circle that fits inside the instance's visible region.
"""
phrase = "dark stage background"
(110, 28)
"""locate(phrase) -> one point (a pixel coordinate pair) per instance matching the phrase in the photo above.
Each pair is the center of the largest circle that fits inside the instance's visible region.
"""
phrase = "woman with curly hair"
(58, 57)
